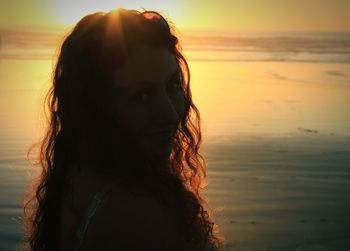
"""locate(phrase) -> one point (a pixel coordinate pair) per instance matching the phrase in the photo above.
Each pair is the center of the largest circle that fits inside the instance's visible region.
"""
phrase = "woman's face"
(149, 100)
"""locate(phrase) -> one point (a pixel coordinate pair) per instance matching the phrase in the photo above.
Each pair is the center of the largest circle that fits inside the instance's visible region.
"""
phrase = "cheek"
(132, 121)
(181, 106)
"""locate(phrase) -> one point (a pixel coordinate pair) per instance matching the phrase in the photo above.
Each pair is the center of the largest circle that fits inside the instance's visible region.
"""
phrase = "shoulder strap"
(90, 212)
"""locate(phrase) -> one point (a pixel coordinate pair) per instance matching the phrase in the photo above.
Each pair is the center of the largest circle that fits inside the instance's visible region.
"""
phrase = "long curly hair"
(79, 124)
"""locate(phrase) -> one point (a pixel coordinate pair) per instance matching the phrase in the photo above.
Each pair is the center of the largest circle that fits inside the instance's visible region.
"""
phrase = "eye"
(141, 97)
(174, 87)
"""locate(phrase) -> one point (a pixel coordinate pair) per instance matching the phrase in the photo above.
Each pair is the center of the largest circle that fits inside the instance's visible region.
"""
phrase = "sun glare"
(68, 13)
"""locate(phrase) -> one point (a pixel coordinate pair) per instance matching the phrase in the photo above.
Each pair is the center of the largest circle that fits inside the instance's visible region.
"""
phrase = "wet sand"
(289, 193)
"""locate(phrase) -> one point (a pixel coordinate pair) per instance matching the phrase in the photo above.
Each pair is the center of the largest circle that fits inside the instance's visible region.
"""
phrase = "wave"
(269, 56)
(319, 42)
(296, 47)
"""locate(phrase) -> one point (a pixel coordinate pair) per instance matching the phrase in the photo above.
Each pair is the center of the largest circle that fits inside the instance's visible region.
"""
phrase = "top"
(91, 210)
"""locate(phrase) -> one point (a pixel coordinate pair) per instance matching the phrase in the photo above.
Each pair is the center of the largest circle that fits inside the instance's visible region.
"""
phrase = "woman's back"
(123, 220)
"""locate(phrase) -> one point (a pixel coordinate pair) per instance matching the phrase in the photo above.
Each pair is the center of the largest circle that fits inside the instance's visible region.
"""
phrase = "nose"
(166, 115)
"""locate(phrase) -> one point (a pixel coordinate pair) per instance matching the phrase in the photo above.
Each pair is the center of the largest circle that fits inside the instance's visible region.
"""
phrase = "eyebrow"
(139, 85)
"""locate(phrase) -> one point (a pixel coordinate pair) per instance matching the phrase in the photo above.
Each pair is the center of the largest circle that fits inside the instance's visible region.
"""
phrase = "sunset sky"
(191, 15)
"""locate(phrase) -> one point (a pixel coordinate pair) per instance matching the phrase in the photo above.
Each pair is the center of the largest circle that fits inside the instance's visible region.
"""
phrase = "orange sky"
(192, 15)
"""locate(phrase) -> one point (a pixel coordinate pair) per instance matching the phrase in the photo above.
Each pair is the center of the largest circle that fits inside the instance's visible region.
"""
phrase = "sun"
(69, 12)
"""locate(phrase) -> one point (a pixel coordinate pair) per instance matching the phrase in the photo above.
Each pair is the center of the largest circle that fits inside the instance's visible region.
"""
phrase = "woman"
(121, 163)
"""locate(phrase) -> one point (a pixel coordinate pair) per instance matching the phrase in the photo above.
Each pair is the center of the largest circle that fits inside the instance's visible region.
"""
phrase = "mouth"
(162, 133)
(160, 142)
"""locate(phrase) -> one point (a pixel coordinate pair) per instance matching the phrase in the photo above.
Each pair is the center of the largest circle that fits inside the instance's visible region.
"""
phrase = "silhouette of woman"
(121, 168)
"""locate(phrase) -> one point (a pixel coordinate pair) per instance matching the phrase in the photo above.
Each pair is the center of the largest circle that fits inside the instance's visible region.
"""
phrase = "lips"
(162, 133)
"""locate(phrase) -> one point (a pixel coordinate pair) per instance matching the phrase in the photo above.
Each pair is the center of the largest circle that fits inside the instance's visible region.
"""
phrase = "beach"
(276, 138)
(281, 193)
(279, 158)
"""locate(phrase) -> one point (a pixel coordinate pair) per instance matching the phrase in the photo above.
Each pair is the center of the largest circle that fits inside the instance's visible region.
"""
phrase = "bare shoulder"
(127, 221)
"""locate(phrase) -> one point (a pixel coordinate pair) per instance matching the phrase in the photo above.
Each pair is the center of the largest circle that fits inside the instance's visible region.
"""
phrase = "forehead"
(146, 64)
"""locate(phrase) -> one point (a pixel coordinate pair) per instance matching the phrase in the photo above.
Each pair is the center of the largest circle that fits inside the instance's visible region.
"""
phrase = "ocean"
(276, 132)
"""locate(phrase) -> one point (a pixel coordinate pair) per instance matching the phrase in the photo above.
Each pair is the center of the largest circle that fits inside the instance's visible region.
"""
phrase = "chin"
(155, 150)
(161, 154)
